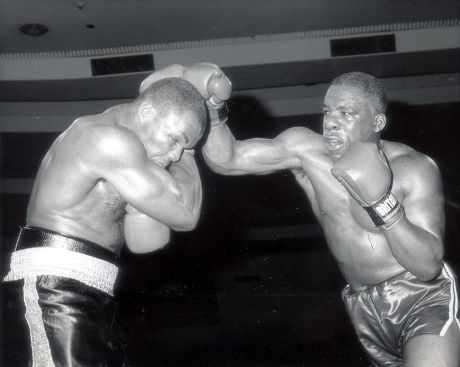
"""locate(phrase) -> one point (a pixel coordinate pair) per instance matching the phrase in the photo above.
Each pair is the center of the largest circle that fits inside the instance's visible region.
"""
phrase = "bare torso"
(359, 247)
(70, 198)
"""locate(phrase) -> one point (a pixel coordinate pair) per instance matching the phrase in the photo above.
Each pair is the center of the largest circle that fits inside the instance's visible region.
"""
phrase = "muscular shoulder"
(101, 141)
(301, 139)
(408, 158)
(412, 168)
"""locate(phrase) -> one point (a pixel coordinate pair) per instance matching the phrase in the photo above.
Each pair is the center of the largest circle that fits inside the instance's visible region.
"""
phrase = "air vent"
(122, 65)
(363, 45)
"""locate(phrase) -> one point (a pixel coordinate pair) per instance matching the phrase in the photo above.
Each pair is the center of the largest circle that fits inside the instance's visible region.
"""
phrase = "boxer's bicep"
(260, 156)
(286, 151)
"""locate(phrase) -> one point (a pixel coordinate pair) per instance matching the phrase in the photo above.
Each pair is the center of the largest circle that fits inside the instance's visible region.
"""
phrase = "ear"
(380, 121)
(146, 112)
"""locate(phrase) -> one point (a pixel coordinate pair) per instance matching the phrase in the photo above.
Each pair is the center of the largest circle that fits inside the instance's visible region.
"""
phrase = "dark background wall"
(254, 284)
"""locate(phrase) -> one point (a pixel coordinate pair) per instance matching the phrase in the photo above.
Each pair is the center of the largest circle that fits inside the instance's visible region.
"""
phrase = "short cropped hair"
(178, 95)
(368, 85)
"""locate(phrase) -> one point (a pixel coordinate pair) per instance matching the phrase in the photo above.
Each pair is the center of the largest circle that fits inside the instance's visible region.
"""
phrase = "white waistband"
(89, 270)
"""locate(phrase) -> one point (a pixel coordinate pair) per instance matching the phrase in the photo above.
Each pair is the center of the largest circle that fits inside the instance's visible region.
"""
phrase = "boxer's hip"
(41, 252)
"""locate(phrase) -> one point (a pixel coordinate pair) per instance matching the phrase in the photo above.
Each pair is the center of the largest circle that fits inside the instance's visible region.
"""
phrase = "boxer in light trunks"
(380, 204)
(127, 175)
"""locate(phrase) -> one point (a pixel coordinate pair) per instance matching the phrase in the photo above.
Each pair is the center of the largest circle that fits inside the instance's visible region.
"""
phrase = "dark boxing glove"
(366, 174)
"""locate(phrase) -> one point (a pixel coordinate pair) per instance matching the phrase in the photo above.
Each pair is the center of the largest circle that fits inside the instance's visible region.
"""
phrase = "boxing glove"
(207, 78)
(366, 174)
(142, 233)
(214, 86)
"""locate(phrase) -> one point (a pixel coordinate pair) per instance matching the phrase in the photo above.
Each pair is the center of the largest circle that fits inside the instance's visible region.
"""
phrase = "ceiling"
(92, 24)
(113, 24)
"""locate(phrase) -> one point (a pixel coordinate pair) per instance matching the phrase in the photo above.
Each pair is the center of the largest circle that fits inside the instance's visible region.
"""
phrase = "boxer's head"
(368, 86)
(354, 111)
(172, 117)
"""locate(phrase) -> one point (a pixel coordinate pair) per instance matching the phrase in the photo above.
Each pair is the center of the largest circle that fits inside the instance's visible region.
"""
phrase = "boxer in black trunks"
(127, 175)
(380, 204)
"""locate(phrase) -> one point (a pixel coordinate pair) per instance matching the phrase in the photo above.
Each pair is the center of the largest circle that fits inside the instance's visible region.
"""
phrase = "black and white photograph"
(229, 183)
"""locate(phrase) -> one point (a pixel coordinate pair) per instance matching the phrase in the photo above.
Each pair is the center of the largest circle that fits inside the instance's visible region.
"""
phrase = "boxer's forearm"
(219, 148)
(416, 249)
(187, 177)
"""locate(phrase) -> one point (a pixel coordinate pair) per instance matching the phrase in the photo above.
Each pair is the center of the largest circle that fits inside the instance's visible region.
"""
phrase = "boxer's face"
(168, 135)
(348, 117)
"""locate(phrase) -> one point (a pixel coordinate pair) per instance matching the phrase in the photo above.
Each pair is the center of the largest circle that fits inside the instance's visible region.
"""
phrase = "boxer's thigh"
(432, 350)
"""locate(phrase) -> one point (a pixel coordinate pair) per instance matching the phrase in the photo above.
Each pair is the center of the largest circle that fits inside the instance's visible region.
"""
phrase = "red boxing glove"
(365, 172)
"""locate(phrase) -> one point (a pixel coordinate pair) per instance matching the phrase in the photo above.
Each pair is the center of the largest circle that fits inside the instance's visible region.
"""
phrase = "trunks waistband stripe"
(31, 237)
(453, 305)
(86, 269)
(41, 350)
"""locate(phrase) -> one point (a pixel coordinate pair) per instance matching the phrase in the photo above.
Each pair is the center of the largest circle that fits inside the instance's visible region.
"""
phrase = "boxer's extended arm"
(413, 223)
(173, 199)
(187, 177)
(226, 155)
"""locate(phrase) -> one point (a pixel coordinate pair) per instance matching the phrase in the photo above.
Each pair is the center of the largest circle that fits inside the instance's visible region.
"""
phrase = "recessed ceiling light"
(34, 29)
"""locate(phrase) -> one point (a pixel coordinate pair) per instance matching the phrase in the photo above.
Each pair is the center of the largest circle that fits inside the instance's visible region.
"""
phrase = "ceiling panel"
(92, 24)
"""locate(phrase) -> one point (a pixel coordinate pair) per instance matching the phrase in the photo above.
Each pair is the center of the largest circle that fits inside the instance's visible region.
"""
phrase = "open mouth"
(162, 162)
(333, 143)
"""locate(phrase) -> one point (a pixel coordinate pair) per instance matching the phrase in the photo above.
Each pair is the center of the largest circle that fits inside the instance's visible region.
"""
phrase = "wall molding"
(136, 49)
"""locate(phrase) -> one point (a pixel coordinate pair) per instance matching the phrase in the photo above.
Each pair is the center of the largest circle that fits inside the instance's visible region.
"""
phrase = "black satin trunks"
(78, 319)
